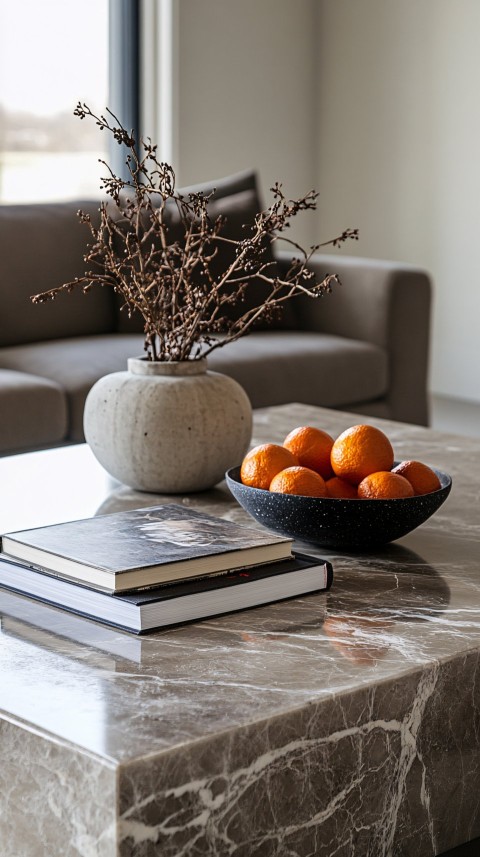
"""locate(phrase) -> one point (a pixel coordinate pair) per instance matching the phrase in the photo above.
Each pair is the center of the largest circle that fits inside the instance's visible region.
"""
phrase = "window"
(52, 55)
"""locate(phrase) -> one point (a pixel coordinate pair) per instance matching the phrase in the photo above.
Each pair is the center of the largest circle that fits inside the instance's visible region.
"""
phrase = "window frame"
(123, 73)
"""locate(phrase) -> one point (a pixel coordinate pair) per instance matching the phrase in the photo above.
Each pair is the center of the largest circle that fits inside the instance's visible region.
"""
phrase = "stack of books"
(146, 569)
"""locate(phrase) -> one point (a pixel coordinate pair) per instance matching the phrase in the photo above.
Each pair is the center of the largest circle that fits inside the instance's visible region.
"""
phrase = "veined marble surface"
(344, 724)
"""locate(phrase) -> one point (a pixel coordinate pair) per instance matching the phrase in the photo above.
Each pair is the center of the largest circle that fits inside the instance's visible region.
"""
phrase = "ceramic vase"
(168, 427)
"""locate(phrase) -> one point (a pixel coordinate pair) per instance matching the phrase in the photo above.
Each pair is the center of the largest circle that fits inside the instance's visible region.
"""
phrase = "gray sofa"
(363, 348)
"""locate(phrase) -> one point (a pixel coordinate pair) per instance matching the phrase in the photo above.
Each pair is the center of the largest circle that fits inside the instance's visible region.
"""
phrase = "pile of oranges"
(357, 465)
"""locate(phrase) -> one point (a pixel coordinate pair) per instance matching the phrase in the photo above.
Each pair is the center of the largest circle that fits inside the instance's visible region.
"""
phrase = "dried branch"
(186, 307)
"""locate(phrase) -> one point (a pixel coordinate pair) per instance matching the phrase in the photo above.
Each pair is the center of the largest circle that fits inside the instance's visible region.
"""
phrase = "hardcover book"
(143, 547)
(190, 600)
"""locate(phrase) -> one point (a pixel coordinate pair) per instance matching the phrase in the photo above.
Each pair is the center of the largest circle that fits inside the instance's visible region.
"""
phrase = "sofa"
(363, 348)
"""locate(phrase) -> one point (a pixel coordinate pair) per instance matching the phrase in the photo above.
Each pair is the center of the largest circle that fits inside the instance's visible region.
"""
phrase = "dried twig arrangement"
(184, 306)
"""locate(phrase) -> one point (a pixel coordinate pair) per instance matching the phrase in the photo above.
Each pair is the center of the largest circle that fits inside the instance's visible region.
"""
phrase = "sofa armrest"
(387, 304)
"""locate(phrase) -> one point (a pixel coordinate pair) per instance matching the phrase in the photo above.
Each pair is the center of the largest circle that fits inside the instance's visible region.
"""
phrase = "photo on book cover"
(177, 531)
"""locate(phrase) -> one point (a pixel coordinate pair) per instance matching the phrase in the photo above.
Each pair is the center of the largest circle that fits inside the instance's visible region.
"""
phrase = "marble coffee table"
(344, 724)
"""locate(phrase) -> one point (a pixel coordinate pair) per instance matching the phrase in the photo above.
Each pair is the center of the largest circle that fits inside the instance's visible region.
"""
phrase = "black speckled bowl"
(335, 523)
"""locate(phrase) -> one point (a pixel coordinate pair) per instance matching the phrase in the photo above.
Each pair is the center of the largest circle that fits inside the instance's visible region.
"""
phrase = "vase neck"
(142, 366)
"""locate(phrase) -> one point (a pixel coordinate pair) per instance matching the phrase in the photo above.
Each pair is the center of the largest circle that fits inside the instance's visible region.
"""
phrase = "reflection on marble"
(343, 724)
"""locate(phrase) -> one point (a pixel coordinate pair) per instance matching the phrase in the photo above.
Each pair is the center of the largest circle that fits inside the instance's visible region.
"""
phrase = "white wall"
(398, 106)
(246, 94)
(376, 104)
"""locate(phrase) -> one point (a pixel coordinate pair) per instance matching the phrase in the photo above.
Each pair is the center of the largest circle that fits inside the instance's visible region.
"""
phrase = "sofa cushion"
(36, 410)
(273, 367)
(313, 368)
(41, 247)
(73, 365)
(237, 199)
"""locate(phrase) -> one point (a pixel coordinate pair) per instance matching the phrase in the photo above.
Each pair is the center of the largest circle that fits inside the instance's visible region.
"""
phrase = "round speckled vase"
(168, 428)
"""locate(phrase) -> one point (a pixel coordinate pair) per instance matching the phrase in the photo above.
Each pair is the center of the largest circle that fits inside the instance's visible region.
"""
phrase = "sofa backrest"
(41, 247)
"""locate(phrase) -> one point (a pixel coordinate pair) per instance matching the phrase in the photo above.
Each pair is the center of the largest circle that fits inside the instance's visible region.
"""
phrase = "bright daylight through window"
(52, 55)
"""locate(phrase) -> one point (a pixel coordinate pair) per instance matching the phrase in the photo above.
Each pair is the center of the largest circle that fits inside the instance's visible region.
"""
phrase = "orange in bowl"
(421, 477)
(360, 451)
(384, 485)
(341, 489)
(311, 447)
(299, 480)
(263, 462)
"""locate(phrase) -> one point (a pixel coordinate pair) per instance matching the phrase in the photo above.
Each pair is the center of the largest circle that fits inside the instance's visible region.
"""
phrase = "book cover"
(175, 603)
(143, 547)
